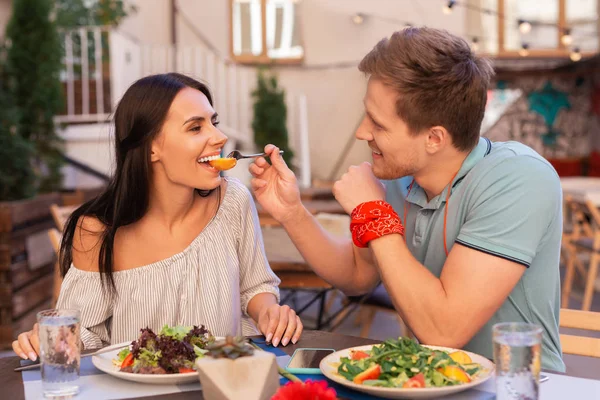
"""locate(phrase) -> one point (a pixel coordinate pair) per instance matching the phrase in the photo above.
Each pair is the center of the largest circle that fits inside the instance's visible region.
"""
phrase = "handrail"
(85, 168)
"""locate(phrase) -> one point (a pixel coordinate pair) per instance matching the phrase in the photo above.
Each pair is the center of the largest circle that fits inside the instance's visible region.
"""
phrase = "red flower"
(308, 390)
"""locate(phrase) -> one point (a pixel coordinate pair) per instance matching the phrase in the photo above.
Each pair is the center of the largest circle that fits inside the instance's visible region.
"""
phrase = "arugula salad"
(403, 363)
(173, 350)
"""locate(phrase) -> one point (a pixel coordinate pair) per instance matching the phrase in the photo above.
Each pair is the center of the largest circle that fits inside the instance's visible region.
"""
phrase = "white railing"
(107, 62)
(82, 69)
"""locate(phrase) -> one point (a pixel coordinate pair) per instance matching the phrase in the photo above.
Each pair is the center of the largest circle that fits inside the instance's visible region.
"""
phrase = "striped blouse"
(211, 282)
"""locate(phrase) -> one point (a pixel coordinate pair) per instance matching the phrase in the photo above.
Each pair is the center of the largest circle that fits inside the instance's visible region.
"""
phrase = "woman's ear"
(154, 151)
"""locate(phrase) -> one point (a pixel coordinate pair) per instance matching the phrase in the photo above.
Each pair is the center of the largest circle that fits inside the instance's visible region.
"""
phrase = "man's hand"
(275, 186)
(357, 186)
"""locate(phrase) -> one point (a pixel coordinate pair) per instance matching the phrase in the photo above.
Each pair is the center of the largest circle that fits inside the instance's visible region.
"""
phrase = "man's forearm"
(332, 258)
(416, 293)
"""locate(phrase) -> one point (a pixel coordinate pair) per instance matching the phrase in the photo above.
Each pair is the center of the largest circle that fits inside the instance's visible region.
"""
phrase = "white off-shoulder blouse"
(211, 282)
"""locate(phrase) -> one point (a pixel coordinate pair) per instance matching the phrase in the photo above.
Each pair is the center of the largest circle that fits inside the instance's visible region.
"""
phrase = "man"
(474, 235)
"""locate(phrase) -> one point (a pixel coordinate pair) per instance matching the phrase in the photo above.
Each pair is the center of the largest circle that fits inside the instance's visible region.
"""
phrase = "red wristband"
(372, 220)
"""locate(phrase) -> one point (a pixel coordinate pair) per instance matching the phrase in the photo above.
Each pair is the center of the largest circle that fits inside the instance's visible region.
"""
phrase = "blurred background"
(283, 72)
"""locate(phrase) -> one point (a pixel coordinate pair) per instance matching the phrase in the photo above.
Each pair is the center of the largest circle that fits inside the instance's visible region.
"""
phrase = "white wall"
(329, 36)
(151, 24)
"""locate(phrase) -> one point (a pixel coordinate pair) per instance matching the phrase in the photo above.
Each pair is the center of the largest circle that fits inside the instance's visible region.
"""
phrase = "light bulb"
(475, 44)
(524, 26)
(358, 18)
(524, 52)
(448, 7)
(566, 38)
(575, 55)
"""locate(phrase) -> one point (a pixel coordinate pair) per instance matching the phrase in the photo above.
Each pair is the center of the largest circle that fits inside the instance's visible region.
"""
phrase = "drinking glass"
(60, 352)
(517, 354)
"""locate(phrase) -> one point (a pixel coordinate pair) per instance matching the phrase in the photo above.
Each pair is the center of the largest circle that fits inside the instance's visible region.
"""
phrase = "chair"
(368, 307)
(580, 345)
(585, 238)
(55, 239)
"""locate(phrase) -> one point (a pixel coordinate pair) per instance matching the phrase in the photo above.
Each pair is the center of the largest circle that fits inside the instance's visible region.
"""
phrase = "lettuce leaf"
(175, 332)
(123, 353)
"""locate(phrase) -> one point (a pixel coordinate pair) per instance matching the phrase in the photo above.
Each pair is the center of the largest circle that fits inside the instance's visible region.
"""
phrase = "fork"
(239, 156)
(91, 354)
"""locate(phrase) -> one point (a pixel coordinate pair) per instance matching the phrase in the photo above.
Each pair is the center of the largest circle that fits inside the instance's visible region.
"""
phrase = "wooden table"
(582, 188)
(12, 382)
(559, 386)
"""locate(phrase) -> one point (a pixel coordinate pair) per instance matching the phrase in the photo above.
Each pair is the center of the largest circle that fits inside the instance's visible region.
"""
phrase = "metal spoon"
(239, 156)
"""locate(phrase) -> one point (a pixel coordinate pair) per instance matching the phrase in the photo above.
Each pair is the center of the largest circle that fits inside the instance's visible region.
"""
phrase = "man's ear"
(437, 139)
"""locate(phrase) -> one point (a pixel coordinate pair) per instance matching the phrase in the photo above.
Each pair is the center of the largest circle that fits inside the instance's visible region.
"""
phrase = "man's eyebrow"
(373, 119)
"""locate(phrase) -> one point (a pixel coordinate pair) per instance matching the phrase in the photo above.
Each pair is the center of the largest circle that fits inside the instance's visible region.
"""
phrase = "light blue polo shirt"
(506, 200)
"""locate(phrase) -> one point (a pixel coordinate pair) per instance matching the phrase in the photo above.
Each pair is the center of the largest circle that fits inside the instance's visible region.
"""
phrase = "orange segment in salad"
(461, 357)
(223, 164)
(456, 373)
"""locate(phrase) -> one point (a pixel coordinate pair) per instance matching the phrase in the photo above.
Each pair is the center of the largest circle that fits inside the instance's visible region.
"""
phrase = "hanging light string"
(524, 26)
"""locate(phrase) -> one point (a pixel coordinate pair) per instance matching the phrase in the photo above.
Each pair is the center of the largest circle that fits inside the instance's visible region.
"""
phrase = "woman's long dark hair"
(138, 119)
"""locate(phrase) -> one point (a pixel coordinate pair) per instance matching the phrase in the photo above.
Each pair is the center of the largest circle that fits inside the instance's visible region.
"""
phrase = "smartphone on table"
(307, 360)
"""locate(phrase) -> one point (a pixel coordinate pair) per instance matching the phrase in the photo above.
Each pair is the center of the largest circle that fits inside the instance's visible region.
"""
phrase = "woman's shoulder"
(238, 191)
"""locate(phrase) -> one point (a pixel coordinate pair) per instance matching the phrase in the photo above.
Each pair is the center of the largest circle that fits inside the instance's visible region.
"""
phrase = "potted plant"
(30, 170)
(232, 370)
(270, 115)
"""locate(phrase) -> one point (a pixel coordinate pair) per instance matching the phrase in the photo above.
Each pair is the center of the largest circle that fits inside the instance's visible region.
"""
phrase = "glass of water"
(60, 352)
(517, 354)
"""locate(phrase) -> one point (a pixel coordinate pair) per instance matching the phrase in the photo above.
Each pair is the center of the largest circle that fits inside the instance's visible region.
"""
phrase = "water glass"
(517, 354)
(60, 352)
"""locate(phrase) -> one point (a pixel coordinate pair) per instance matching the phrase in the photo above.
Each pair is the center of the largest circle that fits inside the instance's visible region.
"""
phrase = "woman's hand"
(27, 344)
(280, 324)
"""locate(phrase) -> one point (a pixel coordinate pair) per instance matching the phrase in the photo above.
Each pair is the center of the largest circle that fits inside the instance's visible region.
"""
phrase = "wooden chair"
(584, 238)
(55, 238)
(60, 215)
(580, 345)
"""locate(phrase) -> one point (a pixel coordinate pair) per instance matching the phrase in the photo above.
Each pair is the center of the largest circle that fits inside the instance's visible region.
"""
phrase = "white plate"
(104, 363)
(330, 371)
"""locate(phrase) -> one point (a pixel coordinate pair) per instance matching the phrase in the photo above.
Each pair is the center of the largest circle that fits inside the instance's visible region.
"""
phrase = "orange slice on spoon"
(223, 164)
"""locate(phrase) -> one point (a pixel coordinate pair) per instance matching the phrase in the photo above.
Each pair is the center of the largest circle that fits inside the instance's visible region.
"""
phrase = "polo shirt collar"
(417, 194)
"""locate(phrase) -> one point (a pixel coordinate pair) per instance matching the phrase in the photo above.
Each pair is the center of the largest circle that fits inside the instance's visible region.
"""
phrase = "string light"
(475, 44)
(566, 37)
(524, 26)
(358, 18)
(448, 7)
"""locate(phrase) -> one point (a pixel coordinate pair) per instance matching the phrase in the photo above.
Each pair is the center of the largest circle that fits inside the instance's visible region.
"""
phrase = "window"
(549, 28)
(264, 31)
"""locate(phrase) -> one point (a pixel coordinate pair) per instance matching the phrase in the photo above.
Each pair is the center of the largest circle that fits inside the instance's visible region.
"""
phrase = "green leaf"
(147, 358)
(124, 353)
(176, 332)
(199, 352)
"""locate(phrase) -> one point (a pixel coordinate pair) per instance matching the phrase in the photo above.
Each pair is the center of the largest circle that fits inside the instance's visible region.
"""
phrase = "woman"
(169, 241)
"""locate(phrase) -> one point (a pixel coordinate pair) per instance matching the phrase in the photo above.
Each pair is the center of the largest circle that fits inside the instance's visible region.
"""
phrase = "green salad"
(403, 363)
(173, 350)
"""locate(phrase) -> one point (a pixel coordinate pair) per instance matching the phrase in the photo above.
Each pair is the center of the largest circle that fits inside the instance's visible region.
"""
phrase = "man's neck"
(435, 177)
